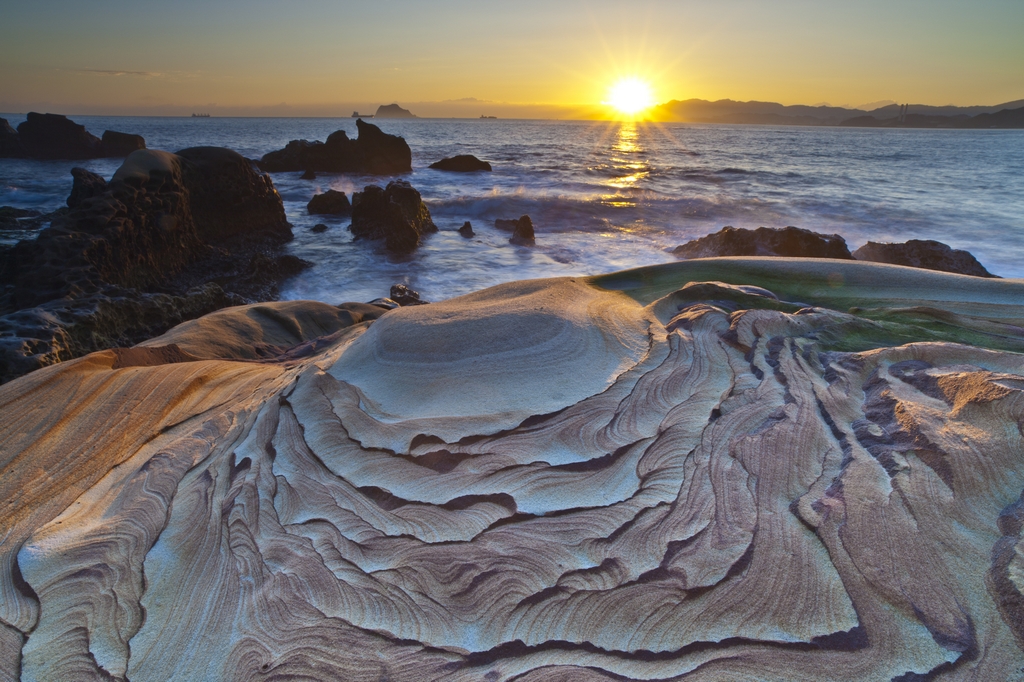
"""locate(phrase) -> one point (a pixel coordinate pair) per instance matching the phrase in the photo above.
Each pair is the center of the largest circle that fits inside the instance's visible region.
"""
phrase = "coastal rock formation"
(467, 230)
(53, 136)
(373, 151)
(790, 242)
(395, 214)
(169, 238)
(331, 202)
(521, 229)
(393, 111)
(568, 479)
(923, 253)
(461, 163)
(403, 295)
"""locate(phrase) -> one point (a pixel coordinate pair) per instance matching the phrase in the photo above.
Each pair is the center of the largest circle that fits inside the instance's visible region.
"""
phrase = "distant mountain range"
(1008, 115)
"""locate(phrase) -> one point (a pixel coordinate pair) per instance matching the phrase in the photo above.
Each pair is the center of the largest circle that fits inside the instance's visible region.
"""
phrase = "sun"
(630, 96)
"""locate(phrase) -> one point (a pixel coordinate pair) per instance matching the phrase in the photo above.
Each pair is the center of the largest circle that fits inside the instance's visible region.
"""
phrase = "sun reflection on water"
(628, 157)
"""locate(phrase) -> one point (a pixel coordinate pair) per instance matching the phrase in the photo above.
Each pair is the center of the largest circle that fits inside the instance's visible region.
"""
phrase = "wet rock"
(308, 175)
(373, 151)
(169, 238)
(86, 185)
(923, 253)
(522, 230)
(467, 230)
(114, 144)
(385, 303)
(10, 217)
(403, 295)
(331, 202)
(318, 228)
(52, 136)
(395, 214)
(462, 163)
(10, 141)
(789, 242)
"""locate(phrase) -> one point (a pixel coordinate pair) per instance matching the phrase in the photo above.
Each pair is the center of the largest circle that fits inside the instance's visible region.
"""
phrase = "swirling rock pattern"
(617, 478)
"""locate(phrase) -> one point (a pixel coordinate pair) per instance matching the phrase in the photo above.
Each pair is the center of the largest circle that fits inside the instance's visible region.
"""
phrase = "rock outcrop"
(169, 238)
(789, 242)
(331, 202)
(393, 111)
(569, 479)
(467, 230)
(521, 229)
(53, 136)
(462, 163)
(923, 253)
(373, 151)
(395, 214)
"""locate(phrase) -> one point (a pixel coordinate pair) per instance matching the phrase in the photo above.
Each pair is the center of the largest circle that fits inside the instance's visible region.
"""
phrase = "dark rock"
(142, 255)
(330, 202)
(308, 175)
(10, 141)
(115, 144)
(10, 217)
(789, 242)
(373, 151)
(393, 111)
(396, 214)
(318, 228)
(463, 163)
(52, 136)
(231, 200)
(522, 230)
(923, 253)
(467, 230)
(403, 295)
(385, 303)
(86, 185)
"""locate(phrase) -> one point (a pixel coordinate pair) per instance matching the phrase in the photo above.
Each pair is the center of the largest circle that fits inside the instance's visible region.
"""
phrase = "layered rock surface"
(615, 478)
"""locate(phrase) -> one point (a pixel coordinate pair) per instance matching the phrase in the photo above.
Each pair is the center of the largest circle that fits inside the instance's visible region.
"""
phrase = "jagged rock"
(393, 111)
(373, 151)
(790, 242)
(318, 228)
(403, 295)
(331, 202)
(396, 214)
(467, 230)
(521, 229)
(127, 260)
(308, 175)
(923, 253)
(120, 144)
(10, 141)
(564, 479)
(10, 216)
(462, 163)
(86, 185)
(52, 136)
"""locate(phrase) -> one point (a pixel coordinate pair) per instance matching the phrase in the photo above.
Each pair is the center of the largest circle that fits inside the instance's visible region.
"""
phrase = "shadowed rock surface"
(568, 479)
(461, 163)
(521, 229)
(395, 214)
(331, 202)
(790, 242)
(120, 144)
(169, 238)
(923, 253)
(53, 136)
(467, 230)
(373, 151)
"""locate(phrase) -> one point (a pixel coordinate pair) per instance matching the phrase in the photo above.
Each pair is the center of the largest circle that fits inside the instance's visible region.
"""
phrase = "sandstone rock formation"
(171, 237)
(53, 136)
(461, 163)
(923, 253)
(331, 202)
(395, 214)
(561, 479)
(792, 242)
(373, 151)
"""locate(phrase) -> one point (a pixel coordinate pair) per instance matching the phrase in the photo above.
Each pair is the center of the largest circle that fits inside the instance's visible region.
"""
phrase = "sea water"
(604, 196)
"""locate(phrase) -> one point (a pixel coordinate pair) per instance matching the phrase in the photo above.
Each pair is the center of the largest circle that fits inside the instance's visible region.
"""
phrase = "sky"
(547, 58)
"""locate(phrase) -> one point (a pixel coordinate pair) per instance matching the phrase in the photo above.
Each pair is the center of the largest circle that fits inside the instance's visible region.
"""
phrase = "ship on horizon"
(200, 116)
(356, 114)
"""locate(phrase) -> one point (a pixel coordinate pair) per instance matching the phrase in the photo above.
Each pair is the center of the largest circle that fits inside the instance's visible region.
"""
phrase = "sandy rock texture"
(712, 470)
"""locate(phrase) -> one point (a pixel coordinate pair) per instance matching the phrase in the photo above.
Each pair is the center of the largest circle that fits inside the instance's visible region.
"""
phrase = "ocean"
(604, 196)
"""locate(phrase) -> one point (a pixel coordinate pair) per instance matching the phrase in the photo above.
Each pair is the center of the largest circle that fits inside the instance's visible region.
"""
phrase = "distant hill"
(772, 113)
(393, 111)
(1004, 118)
